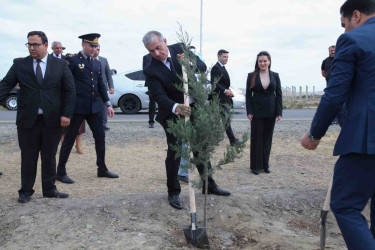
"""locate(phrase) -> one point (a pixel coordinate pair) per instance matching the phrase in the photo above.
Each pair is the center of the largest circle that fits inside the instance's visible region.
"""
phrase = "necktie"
(171, 64)
(39, 75)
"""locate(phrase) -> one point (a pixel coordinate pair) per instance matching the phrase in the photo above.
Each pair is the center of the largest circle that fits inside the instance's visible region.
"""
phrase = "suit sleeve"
(249, 95)
(102, 88)
(337, 91)
(157, 92)
(69, 93)
(8, 83)
(279, 96)
(322, 67)
(216, 75)
(108, 75)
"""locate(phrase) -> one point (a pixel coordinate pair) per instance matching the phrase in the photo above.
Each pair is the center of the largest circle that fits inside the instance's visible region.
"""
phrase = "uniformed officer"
(88, 79)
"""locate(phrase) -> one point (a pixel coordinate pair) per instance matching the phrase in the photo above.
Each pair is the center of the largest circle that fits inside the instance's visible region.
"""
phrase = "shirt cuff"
(174, 109)
(225, 91)
(108, 103)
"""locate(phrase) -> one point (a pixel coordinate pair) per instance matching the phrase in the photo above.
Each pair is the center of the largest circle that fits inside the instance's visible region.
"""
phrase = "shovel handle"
(186, 88)
(193, 209)
(328, 196)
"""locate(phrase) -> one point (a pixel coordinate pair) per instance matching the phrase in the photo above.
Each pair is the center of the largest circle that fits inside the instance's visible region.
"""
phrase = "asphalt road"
(239, 114)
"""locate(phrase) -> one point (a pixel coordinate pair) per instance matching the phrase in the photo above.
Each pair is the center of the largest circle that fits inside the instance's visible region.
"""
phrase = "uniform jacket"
(89, 84)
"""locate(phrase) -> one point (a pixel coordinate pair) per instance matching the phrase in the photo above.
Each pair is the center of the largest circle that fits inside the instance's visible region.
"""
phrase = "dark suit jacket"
(62, 56)
(217, 72)
(55, 97)
(106, 73)
(264, 103)
(352, 80)
(161, 82)
(89, 84)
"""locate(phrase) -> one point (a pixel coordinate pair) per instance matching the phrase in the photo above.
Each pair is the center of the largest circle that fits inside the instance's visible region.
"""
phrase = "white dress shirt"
(43, 66)
(57, 56)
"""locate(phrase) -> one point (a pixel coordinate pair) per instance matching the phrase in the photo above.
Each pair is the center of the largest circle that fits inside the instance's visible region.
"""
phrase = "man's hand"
(229, 93)
(64, 121)
(181, 56)
(308, 144)
(181, 109)
(111, 113)
(250, 117)
(278, 118)
(111, 91)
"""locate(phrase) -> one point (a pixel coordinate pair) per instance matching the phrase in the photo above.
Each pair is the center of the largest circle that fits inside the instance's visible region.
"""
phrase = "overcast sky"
(296, 33)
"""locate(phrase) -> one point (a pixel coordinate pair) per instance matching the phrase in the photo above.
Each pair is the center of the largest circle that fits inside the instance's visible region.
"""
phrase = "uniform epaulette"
(73, 55)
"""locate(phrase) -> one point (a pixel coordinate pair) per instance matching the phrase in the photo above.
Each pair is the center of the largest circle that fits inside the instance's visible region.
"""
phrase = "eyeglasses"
(35, 45)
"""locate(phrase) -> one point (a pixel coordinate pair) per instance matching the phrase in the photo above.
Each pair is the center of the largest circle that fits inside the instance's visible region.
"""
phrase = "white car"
(130, 93)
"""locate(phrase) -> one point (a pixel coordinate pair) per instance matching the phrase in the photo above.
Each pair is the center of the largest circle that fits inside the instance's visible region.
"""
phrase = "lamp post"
(200, 47)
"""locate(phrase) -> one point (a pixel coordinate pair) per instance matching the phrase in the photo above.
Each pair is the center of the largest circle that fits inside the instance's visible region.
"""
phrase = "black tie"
(39, 75)
(171, 64)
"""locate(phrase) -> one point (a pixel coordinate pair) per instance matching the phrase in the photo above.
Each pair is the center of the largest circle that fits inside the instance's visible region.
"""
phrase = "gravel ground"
(270, 211)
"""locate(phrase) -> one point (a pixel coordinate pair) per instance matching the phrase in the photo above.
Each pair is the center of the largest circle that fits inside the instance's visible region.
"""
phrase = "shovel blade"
(323, 229)
(198, 238)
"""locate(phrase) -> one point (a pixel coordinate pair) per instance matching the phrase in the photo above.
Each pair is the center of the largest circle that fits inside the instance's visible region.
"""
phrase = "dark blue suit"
(352, 81)
(89, 89)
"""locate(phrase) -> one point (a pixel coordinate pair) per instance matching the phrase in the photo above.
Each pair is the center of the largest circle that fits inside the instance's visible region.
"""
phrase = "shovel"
(195, 235)
(323, 217)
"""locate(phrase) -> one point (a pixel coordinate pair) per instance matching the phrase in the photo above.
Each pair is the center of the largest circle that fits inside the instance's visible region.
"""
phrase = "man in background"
(57, 50)
(108, 81)
(220, 74)
(327, 63)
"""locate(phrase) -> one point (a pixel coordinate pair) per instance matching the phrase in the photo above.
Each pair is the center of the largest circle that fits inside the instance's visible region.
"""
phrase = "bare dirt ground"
(270, 211)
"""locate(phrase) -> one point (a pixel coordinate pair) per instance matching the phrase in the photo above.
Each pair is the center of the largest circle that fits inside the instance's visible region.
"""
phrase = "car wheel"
(129, 104)
(11, 102)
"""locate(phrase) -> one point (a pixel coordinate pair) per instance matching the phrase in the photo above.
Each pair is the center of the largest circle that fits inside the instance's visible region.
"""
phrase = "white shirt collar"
(43, 59)
(165, 61)
(83, 54)
(222, 65)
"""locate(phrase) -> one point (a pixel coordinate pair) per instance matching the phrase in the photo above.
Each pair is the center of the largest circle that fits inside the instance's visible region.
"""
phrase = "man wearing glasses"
(45, 104)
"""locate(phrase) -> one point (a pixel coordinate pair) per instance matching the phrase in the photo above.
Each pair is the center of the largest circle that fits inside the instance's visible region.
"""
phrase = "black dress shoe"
(107, 174)
(24, 198)
(267, 170)
(106, 128)
(256, 172)
(64, 179)
(56, 194)
(183, 178)
(1, 173)
(216, 190)
(150, 125)
(174, 201)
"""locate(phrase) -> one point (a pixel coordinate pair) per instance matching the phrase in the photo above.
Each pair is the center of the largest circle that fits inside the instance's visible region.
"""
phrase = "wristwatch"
(312, 139)
(108, 104)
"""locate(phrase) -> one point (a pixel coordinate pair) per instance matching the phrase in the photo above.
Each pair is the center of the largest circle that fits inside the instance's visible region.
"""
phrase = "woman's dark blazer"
(264, 103)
